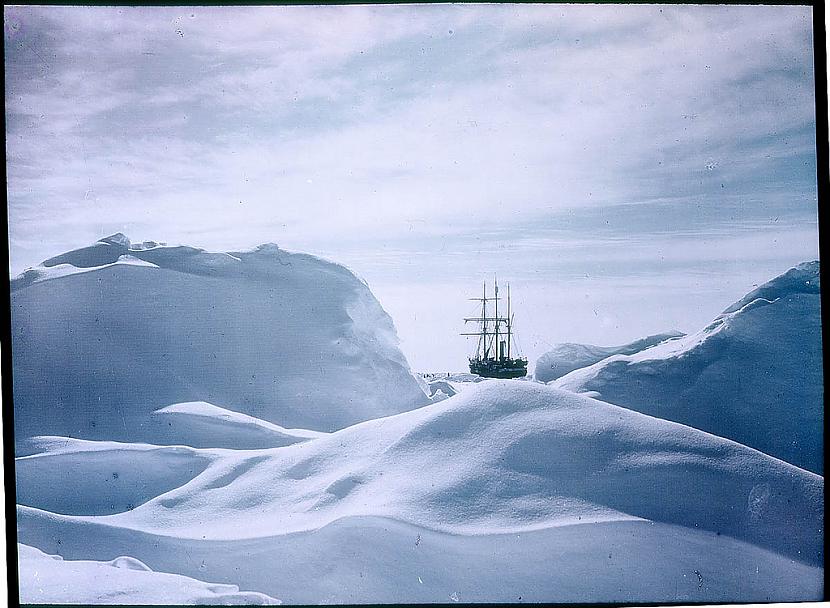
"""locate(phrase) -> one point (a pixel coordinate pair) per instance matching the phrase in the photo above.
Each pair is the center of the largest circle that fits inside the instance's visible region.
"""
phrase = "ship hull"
(495, 368)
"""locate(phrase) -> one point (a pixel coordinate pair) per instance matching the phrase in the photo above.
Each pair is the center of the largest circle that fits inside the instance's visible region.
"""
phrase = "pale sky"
(628, 169)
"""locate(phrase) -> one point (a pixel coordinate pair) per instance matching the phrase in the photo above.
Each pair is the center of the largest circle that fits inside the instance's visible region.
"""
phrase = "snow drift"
(82, 477)
(506, 491)
(203, 425)
(753, 375)
(566, 357)
(48, 579)
(105, 335)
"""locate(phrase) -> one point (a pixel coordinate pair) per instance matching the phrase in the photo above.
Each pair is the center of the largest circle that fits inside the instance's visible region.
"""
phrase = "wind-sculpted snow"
(566, 357)
(204, 425)
(502, 469)
(803, 279)
(504, 457)
(48, 579)
(442, 389)
(382, 561)
(191, 378)
(104, 336)
(79, 477)
(753, 375)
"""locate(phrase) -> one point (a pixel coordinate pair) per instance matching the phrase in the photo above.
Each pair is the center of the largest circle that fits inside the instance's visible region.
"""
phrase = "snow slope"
(566, 357)
(105, 335)
(506, 490)
(48, 579)
(76, 476)
(753, 375)
(203, 425)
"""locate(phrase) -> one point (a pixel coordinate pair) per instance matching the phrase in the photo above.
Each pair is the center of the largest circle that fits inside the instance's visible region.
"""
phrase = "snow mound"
(506, 490)
(204, 425)
(105, 251)
(503, 457)
(105, 335)
(448, 384)
(42, 273)
(566, 357)
(442, 386)
(78, 477)
(753, 375)
(802, 279)
(48, 579)
(381, 561)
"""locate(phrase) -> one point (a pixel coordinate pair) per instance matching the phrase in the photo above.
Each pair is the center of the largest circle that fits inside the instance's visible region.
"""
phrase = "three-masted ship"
(494, 353)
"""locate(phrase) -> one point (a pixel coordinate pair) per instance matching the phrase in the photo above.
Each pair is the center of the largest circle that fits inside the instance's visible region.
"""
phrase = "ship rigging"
(494, 352)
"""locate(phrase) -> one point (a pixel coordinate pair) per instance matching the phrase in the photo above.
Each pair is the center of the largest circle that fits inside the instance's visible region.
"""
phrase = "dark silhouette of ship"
(494, 352)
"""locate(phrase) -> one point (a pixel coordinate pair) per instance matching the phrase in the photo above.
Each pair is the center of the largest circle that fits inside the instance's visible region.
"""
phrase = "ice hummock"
(105, 335)
(204, 425)
(507, 489)
(49, 579)
(568, 356)
(753, 375)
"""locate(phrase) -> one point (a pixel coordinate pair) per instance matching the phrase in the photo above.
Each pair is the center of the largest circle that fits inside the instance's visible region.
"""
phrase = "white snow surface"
(566, 357)
(507, 490)
(201, 424)
(753, 375)
(105, 335)
(75, 476)
(246, 418)
(444, 387)
(441, 386)
(49, 579)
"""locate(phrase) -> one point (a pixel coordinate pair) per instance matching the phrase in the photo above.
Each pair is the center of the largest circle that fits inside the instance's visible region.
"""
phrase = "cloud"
(542, 140)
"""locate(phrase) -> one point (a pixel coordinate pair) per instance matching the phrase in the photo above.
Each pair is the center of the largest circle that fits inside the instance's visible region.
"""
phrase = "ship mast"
(496, 345)
(484, 321)
(489, 340)
(509, 322)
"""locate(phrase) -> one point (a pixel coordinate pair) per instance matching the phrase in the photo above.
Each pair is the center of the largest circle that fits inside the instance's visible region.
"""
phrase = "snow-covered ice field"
(196, 427)
(754, 374)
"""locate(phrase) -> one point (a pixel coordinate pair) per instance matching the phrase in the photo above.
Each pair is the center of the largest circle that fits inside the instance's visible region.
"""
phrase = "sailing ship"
(494, 352)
